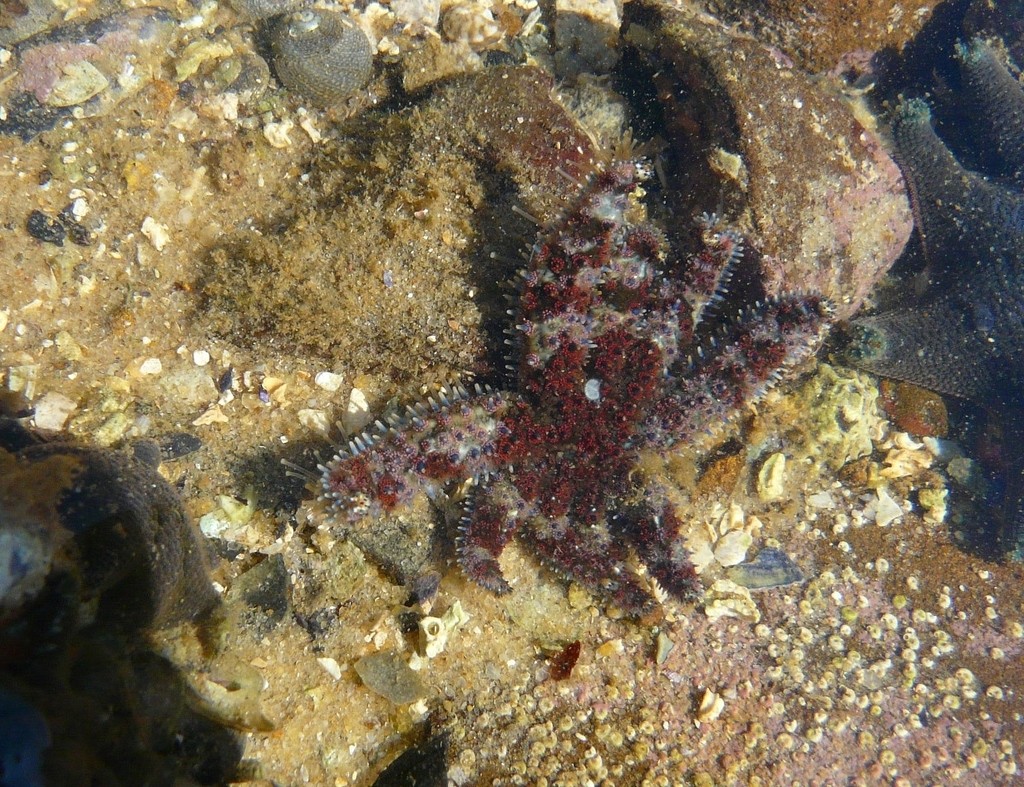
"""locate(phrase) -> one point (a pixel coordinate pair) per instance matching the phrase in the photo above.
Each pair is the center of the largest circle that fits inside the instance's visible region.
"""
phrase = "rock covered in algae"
(835, 416)
(825, 202)
(405, 203)
(826, 34)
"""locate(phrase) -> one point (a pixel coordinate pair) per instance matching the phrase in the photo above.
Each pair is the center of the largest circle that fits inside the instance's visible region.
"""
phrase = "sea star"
(607, 363)
(965, 337)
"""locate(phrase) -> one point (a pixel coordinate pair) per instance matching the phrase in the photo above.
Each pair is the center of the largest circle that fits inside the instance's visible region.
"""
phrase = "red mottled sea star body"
(606, 366)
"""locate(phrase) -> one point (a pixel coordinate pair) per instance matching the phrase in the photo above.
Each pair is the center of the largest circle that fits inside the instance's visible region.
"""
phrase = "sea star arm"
(976, 223)
(997, 102)
(652, 528)
(461, 436)
(939, 346)
(591, 556)
(737, 367)
(489, 523)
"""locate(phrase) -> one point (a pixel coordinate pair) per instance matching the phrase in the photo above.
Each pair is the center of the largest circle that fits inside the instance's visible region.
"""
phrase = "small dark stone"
(79, 234)
(179, 444)
(42, 227)
(27, 118)
(264, 587)
(409, 621)
(147, 452)
(425, 765)
(224, 383)
(319, 622)
(388, 674)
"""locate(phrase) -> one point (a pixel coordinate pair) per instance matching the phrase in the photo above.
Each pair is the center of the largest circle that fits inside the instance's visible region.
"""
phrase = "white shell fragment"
(52, 411)
(732, 547)
(771, 479)
(434, 631)
(726, 599)
(357, 413)
(331, 667)
(711, 707)
(887, 510)
(151, 366)
(155, 232)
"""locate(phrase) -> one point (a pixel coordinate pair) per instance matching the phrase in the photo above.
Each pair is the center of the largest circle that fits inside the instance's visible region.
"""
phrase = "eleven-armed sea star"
(606, 365)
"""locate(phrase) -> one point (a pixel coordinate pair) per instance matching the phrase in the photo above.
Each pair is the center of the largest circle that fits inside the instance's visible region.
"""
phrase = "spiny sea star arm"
(737, 367)
(460, 436)
(489, 523)
(652, 528)
(591, 556)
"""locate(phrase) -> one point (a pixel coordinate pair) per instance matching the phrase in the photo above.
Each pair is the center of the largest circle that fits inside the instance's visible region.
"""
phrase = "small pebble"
(200, 357)
(179, 444)
(329, 381)
(387, 674)
(42, 227)
(151, 366)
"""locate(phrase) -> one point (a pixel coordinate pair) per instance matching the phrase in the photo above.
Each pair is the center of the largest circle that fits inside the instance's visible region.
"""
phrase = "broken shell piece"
(331, 667)
(357, 412)
(155, 232)
(663, 646)
(77, 83)
(771, 480)
(701, 553)
(732, 547)
(887, 510)
(231, 695)
(434, 631)
(726, 599)
(433, 636)
(711, 707)
(472, 24)
(52, 411)
(731, 519)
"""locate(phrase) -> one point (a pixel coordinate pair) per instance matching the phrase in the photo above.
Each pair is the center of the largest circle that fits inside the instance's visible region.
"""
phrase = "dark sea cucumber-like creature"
(611, 356)
(966, 336)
